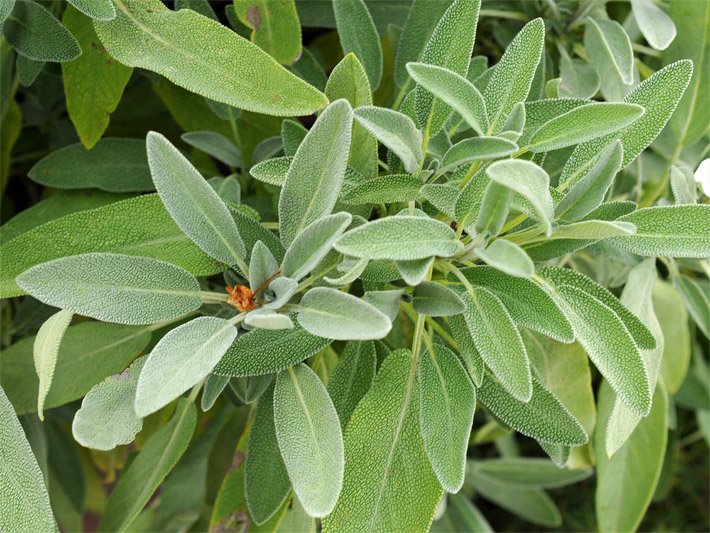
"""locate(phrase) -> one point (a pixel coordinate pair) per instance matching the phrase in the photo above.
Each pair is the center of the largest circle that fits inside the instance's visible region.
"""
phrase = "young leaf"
(275, 27)
(180, 360)
(310, 439)
(512, 77)
(543, 417)
(436, 299)
(386, 301)
(384, 452)
(477, 149)
(262, 266)
(396, 131)
(384, 189)
(358, 35)
(180, 46)
(292, 135)
(507, 257)
(150, 467)
(447, 401)
(493, 208)
(337, 315)
(33, 32)
(192, 203)
(265, 476)
(608, 44)
(450, 46)
(683, 185)
(584, 123)
(352, 378)
(676, 231)
(455, 91)
(114, 287)
(216, 145)
(25, 502)
(697, 301)
(312, 244)
(95, 9)
(93, 83)
(316, 173)
(657, 27)
(46, 350)
(672, 316)
(414, 271)
(107, 417)
(267, 319)
(400, 238)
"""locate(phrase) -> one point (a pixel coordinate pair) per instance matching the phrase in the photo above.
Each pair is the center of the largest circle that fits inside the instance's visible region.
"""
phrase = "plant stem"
(209, 296)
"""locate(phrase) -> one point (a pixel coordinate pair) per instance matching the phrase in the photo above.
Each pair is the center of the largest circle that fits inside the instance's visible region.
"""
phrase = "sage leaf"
(447, 401)
(316, 173)
(414, 271)
(435, 299)
(358, 35)
(578, 79)
(591, 230)
(467, 349)
(400, 238)
(150, 467)
(250, 388)
(383, 450)
(672, 316)
(46, 351)
(180, 360)
(310, 439)
(683, 185)
(216, 145)
(275, 27)
(493, 211)
(386, 301)
(388, 189)
(24, 497)
(292, 135)
(352, 377)
(192, 203)
(312, 244)
(180, 46)
(697, 301)
(477, 149)
(214, 386)
(657, 27)
(396, 131)
(97, 10)
(507, 257)
(530, 472)
(5, 10)
(268, 319)
(107, 417)
(608, 46)
(114, 287)
(262, 266)
(334, 314)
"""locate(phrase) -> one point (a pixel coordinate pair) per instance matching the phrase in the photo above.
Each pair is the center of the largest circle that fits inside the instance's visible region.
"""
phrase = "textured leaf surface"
(275, 27)
(384, 189)
(414, 271)
(672, 316)
(657, 27)
(96, 9)
(606, 41)
(358, 35)
(203, 56)
(507, 257)
(45, 352)
(384, 453)
(530, 472)
(352, 378)
(214, 144)
(114, 287)
(310, 439)
(477, 149)
(396, 131)
(436, 299)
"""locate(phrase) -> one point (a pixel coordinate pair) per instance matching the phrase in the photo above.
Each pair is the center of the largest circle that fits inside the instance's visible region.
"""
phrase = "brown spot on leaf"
(253, 16)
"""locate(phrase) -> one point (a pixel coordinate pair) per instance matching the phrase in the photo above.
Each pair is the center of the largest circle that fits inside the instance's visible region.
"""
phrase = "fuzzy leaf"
(529, 472)
(591, 230)
(310, 439)
(216, 145)
(386, 301)
(292, 135)
(358, 35)
(392, 188)
(114, 287)
(268, 319)
(607, 44)
(507, 257)
(477, 149)
(414, 271)
(683, 185)
(352, 377)
(494, 207)
(435, 299)
(262, 266)
(275, 27)
(467, 349)
(672, 316)
(46, 350)
(657, 27)
(96, 9)
(180, 45)
(316, 173)
(697, 302)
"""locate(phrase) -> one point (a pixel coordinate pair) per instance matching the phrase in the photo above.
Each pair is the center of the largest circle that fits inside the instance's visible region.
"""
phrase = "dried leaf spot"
(241, 297)
(253, 16)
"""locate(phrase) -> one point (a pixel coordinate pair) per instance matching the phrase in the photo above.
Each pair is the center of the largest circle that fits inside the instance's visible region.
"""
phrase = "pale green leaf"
(214, 385)
(540, 112)
(262, 266)
(268, 319)
(114, 287)
(447, 401)
(590, 230)
(334, 314)
(578, 79)
(672, 316)
(657, 27)
(414, 271)
(493, 206)
(529, 472)
(443, 197)
(310, 439)
(608, 46)
(386, 301)
(358, 35)
(216, 145)
(275, 27)
(683, 185)
(45, 353)
(507, 257)
(697, 301)
(477, 149)
(467, 349)
(435, 299)
(351, 269)
(384, 189)
(352, 377)
(292, 135)
(107, 417)
(316, 173)
(96, 9)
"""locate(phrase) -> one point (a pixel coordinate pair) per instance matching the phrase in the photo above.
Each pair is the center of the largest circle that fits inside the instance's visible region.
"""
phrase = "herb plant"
(448, 283)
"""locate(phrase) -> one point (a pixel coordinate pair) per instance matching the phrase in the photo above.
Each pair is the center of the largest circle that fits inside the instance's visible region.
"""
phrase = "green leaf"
(192, 203)
(114, 287)
(676, 231)
(493, 207)
(107, 417)
(507, 257)
(672, 316)
(150, 467)
(450, 46)
(358, 35)
(400, 238)
(528, 180)
(250, 388)
(96, 9)
(609, 49)
(93, 82)
(497, 340)
(467, 349)
(414, 271)
(264, 351)
(292, 135)
(443, 197)
(396, 131)
(5, 10)
(384, 453)
(683, 185)
(275, 27)
(584, 123)
(262, 266)
(89, 352)
(655, 25)
(627, 481)
(543, 417)
(477, 149)
(316, 173)
(334, 314)
(268, 319)
(386, 301)
(33, 32)
(312, 244)
(578, 79)
(352, 378)
(310, 439)
(46, 349)
(25, 501)
(592, 230)
(114, 164)
(180, 360)
(513, 75)
(529, 472)
(464, 516)
(589, 192)
(436, 299)
(455, 91)
(265, 477)
(447, 401)
(696, 300)
(392, 188)
(540, 112)
(216, 145)
(180, 46)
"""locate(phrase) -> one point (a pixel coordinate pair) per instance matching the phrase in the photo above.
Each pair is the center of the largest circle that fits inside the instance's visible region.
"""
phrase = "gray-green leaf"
(507, 257)
(436, 299)
(358, 35)
(216, 145)
(46, 350)
(352, 378)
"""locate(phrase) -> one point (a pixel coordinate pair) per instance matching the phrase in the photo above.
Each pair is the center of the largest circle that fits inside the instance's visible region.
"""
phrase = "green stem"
(499, 13)
(209, 296)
